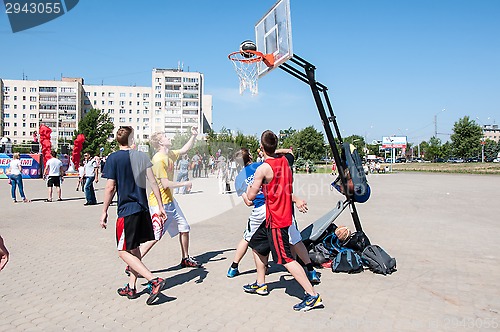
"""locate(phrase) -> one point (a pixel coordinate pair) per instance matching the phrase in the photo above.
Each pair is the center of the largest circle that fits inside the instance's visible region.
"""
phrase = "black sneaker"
(155, 285)
(131, 293)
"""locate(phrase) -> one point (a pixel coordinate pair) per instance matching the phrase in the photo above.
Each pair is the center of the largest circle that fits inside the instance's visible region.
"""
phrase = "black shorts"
(133, 230)
(54, 181)
(273, 240)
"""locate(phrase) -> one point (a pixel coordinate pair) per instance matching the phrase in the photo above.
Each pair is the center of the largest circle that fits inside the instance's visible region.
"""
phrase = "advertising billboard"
(31, 165)
(394, 142)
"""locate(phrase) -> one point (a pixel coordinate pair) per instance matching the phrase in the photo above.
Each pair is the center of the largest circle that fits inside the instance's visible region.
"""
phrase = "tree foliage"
(98, 129)
(466, 138)
(434, 149)
(226, 144)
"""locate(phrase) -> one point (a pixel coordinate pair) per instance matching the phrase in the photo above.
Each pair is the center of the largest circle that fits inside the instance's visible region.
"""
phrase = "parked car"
(401, 160)
(473, 160)
(455, 160)
(439, 160)
(496, 160)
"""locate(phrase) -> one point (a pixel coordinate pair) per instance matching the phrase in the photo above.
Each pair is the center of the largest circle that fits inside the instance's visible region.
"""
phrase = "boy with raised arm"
(163, 169)
(275, 178)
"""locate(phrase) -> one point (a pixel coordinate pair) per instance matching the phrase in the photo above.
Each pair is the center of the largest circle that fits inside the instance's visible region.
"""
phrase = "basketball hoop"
(245, 64)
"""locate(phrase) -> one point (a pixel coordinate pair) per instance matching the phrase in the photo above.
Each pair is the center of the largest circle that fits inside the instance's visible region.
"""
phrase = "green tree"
(358, 141)
(466, 138)
(491, 149)
(424, 148)
(98, 129)
(446, 150)
(434, 148)
(311, 143)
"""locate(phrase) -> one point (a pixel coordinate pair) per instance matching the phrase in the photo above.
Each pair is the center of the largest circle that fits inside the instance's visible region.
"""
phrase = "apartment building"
(178, 101)
(173, 103)
(125, 105)
(1, 107)
(491, 132)
(29, 104)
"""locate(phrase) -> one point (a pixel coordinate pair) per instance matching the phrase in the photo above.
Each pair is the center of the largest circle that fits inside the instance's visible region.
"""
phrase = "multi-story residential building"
(126, 106)
(29, 104)
(491, 132)
(177, 98)
(1, 107)
(174, 103)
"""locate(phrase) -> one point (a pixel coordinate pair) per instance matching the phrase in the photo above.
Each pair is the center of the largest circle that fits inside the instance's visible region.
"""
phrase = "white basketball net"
(246, 68)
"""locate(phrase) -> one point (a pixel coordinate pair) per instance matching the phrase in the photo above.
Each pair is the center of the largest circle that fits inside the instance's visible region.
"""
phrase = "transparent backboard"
(273, 34)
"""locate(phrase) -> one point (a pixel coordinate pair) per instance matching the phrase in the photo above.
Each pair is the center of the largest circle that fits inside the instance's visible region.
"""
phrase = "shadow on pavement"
(291, 287)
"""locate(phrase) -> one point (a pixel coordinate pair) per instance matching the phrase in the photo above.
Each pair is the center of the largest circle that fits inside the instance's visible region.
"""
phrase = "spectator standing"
(183, 174)
(53, 172)
(196, 165)
(91, 175)
(16, 178)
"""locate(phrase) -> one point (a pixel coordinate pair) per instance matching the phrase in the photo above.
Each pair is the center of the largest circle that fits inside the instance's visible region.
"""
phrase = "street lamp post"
(483, 141)
(435, 122)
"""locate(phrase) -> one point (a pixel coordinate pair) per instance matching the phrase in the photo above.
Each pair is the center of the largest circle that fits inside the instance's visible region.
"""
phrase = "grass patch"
(464, 168)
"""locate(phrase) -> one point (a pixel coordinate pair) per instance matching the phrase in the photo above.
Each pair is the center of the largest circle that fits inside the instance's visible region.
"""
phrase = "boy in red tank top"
(275, 177)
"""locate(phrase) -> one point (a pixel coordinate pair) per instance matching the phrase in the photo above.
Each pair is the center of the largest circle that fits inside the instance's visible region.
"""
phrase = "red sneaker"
(131, 293)
(189, 262)
(155, 285)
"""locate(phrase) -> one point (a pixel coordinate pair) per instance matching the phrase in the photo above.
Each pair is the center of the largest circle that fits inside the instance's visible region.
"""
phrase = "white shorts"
(258, 216)
(176, 222)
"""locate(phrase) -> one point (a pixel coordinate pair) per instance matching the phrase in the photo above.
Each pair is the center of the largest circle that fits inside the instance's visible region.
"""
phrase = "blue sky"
(390, 65)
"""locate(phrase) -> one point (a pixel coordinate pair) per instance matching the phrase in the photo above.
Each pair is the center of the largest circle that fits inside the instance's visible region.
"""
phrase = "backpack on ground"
(377, 260)
(325, 250)
(319, 254)
(358, 241)
(347, 261)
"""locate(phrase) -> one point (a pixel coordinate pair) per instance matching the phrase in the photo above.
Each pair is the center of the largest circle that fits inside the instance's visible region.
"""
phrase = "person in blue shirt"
(258, 214)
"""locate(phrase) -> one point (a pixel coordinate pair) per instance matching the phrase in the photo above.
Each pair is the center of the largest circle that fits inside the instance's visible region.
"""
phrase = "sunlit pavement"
(442, 229)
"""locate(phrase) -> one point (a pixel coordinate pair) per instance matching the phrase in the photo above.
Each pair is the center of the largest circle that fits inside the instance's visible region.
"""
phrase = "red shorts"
(133, 230)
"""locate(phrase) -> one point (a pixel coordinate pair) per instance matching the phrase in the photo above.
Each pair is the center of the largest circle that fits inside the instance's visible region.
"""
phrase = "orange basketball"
(342, 232)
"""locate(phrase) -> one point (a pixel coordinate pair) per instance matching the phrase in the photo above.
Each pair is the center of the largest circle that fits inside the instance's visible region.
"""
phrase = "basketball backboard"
(273, 34)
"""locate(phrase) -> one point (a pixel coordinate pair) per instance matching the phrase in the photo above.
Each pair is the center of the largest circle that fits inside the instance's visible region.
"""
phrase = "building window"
(32, 98)
(122, 94)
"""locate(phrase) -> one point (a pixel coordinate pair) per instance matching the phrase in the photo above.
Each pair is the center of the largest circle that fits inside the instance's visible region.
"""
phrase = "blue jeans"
(17, 180)
(89, 190)
(182, 176)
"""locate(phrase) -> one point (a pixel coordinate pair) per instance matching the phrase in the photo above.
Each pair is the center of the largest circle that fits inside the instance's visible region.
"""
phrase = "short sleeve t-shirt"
(183, 165)
(128, 169)
(54, 165)
(90, 168)
(163, 168)
(244, 179)
(14, 167)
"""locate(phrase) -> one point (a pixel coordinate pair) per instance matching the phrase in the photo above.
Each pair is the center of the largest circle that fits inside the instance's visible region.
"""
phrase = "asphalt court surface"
(443, 230)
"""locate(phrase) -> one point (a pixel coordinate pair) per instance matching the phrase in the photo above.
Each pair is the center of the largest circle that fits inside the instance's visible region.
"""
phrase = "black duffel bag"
(357, 241)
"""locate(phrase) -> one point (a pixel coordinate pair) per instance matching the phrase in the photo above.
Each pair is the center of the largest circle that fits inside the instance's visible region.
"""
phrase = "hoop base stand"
(308, 76)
